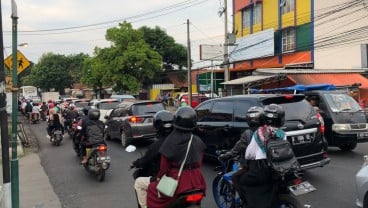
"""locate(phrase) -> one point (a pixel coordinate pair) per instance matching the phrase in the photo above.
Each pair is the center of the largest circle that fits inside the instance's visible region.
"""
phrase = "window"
(204, 111)
(147, 108)
(241, 108)
(288, 40)
(257, 14)
(287, 6)
(222, 111)
(246, 18)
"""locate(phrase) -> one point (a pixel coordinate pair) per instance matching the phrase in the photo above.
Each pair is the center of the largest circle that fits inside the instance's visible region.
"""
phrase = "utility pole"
(4, 123)
(226, 55)
(189, 67)
(14, 161)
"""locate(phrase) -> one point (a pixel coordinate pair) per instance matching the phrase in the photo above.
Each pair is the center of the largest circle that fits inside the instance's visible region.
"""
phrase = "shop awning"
(252, 81)
(337, 79)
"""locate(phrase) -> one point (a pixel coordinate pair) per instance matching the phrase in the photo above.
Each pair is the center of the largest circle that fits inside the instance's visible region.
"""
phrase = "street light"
(20, 45)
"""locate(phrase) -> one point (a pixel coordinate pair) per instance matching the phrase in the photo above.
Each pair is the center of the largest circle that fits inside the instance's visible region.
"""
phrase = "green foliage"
(50, 72)
(55, 71)
(172, 53)
(127, 64)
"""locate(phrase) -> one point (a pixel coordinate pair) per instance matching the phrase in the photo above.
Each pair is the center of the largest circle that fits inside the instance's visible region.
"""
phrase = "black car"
(345, 121)
(132, 120)
(302, 125)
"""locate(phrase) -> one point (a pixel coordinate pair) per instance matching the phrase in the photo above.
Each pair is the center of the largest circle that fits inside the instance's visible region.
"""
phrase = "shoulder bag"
(167, 185)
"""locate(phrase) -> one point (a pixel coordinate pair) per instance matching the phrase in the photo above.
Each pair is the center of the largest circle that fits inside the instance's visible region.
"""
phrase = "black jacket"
(149, 163)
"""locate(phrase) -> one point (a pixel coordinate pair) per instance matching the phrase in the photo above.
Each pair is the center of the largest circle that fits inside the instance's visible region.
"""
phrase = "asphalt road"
(77, 189)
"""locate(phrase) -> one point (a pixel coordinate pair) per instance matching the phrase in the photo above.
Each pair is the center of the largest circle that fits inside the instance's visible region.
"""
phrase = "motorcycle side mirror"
(79, 127)
(130, 148)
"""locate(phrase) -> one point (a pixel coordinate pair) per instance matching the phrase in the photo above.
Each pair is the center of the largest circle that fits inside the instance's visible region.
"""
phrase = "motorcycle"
(35, 118)
(98, 161)
(72, 127)
(191, 198)
(56, 137)
(226, 196)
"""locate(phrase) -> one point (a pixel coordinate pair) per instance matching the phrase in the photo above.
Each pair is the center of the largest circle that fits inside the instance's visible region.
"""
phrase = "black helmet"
(94, 114)
(185, 118)
(274, 115)
(163, 122)
(255, 116)
(85, 110)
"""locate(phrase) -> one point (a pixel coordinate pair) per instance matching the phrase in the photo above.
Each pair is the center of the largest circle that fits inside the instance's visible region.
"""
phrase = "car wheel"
(365, 201)
(124, 140)
(348, 147)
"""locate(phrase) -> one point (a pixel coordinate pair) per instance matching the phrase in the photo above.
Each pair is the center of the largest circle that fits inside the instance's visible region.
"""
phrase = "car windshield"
(341, 103)
(108, 105)
(147, 108)
(292, 110)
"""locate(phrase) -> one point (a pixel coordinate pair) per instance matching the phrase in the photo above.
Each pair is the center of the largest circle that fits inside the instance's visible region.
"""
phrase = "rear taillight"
(325, 155)
(102, 148)
(297, 181)
(135, 119)
(194, 198)
(322, 125)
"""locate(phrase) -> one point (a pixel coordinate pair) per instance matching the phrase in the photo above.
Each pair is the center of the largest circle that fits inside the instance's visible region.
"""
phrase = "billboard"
(211, 52)
(257, 45)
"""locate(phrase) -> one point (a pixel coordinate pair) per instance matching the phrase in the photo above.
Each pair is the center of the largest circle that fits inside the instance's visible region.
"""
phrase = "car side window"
(222, 111)
(241, 108)
(115, 113)
(204, 111)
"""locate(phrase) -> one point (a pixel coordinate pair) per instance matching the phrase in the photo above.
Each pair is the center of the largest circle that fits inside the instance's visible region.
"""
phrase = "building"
(325, 40)
(328, 34)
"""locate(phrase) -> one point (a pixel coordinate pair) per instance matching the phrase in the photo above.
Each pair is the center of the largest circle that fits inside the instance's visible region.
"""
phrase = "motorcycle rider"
(149, 164)
(254, 118)
(77, 134)
(92, 132)
(173, 151)
(35, 111)
(70, 115)
(44, 109)
(54, 122)
(257, 183)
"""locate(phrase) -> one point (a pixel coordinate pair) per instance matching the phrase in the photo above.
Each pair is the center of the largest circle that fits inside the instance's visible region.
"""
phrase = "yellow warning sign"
(22, 62)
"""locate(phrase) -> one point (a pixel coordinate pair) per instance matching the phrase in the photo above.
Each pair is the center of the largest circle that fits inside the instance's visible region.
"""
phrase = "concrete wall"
(335, 55)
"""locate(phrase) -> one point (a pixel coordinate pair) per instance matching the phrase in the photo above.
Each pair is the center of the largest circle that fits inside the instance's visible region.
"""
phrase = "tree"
(172, 53)
(75, 66)
(130, 61)
(50, 72)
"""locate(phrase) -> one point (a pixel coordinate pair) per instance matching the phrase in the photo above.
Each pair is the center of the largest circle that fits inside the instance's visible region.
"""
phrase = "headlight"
(341, 127)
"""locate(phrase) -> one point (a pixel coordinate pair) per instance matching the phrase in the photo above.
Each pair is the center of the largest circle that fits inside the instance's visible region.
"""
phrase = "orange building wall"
(240, 4)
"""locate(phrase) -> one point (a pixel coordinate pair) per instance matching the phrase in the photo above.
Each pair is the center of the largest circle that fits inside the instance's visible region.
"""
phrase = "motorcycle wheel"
(101, 176)
(289, 201)
(223, 193)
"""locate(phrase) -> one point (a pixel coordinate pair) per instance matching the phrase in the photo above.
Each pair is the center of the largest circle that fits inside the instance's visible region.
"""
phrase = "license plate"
(302, 188)
(103, 159)
(301, 139)
(363, 135)
(57, 132)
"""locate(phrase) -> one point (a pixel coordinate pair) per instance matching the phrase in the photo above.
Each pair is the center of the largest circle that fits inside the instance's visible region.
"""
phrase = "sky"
(78, 26)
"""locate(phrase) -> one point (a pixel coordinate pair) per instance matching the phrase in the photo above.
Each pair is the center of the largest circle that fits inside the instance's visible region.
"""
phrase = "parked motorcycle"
(226, 196)
(191, 198)
(56, 137)
(98, 161)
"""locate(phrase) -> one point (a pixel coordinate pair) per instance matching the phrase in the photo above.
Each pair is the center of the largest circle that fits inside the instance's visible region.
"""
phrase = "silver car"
(132, 120)
(361, 180)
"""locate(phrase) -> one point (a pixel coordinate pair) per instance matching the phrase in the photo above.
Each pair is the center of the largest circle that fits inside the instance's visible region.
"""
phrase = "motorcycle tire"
(223, 193)
(289, 201)
(101, 176)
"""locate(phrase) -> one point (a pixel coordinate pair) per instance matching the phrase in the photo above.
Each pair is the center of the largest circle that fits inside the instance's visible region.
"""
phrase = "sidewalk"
(35, 189)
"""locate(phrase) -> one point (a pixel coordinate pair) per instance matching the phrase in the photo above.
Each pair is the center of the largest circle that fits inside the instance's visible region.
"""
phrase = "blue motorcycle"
(226, 196)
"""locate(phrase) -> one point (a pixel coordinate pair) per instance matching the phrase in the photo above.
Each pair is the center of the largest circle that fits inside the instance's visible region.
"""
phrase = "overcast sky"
(45, 24)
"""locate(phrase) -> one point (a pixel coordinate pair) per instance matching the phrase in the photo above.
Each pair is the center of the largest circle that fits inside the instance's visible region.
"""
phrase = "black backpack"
(280, 155)
(94, 130)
